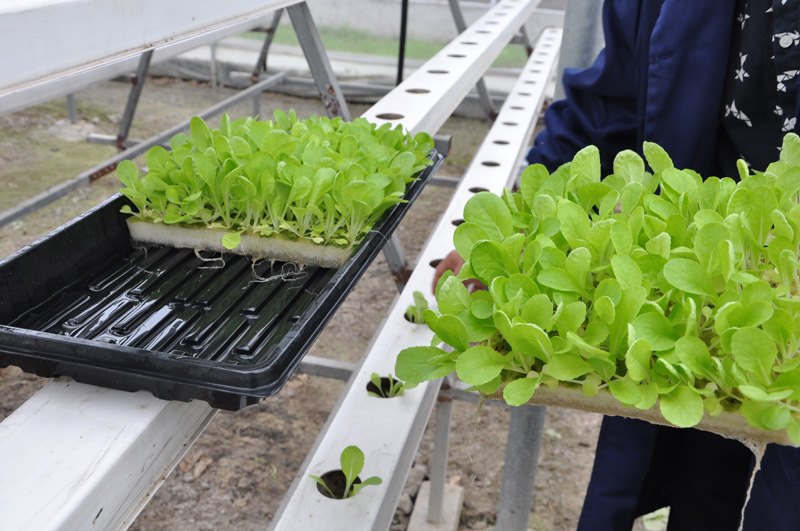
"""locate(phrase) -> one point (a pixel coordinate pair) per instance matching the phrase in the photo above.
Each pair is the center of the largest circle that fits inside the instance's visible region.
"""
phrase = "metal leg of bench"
(72, 111)
(441, 447)
(483, 91)
(519, 471)
(583, 37)
(318, 62)
(396, 259)
(214, 71)
(261, 62)
(137, 84)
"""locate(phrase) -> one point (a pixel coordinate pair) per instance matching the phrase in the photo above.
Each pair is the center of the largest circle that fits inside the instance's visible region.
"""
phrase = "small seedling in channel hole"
(352, 461)
(414, 311)
(385, 387)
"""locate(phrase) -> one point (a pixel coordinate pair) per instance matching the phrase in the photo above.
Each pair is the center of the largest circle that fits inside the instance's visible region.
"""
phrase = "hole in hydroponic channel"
(478, 189)
(435, 262)
(524, 93)
(490, 163)
(438, 71)
(457, 222)
(483, 32)
(389, 116)
(511, 124)
(456, 55)
(469, 43)
(500, 142)
(492, 22)
(418, 91)
(336, 481)
(386, 383)
(535, 71)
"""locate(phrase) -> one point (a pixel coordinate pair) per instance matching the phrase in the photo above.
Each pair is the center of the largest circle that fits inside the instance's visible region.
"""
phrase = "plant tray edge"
(728, 424)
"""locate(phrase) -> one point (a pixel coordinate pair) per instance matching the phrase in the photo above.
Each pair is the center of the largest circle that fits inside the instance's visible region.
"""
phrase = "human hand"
(453, 262)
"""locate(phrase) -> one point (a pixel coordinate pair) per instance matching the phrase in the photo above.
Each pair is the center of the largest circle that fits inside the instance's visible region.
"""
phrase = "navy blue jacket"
(660, 78)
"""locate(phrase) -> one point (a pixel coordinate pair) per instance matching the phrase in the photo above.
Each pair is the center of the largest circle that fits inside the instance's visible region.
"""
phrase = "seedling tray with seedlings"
(304, 191)
(660, 296)
(87, 302)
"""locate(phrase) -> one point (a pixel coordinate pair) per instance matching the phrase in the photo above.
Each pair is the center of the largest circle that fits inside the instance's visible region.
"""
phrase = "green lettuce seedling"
(415, 312)
(396, 387)
(352, 461)
(319, 180)
(660, 288)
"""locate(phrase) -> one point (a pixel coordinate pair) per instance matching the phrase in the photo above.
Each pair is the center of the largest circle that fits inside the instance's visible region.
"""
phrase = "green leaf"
(352, 461)
(682, 407)
(489, 212)
(373, 480)
(566, 367)
(586, 163)
(629, 165)
(648, 394)
(415, 365)
(754, 351)
(490, 259)
(637, 360)
(624, 390)
(756, 393)
(575, 223)
(466, 236)
(560, 280)
(479, 365)
(531, 340)
(656, 330)
(520, 391)
(790, 151)
(656, 157)
(689, 276)
(231, 240)
(694, 353)
(626, 271)
(449, 328)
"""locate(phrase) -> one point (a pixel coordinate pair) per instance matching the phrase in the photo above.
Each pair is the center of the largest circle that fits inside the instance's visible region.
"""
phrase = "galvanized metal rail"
(52, 62)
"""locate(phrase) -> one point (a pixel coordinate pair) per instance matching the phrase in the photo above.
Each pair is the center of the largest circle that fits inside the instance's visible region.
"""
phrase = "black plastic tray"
(83, 302)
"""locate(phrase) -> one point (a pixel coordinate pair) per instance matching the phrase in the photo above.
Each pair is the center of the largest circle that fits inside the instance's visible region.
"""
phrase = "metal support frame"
(318, 62)
(519, 469)
(261, 62)
(72, 110)
(583, 23)
(137, 85)
(480, 85)
(397, 261)
(441, 447)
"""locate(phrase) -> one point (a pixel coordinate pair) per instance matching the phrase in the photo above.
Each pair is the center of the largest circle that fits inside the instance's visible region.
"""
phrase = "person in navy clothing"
(711, 81)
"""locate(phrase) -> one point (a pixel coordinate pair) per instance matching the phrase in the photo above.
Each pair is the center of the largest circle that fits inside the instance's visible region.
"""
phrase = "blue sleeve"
(600, 106)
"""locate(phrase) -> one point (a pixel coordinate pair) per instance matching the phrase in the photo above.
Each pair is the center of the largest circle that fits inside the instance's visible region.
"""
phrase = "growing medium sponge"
(256, 247)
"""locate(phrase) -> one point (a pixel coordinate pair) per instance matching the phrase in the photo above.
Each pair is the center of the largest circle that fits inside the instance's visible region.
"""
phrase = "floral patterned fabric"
(761, 85)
